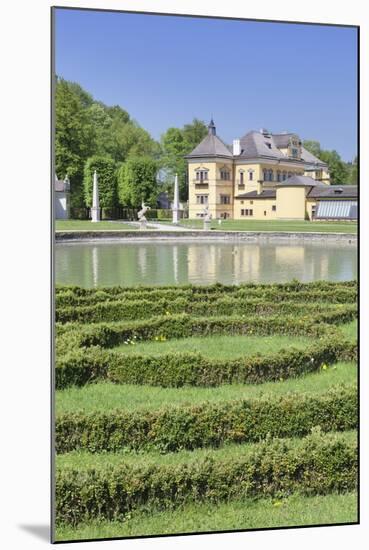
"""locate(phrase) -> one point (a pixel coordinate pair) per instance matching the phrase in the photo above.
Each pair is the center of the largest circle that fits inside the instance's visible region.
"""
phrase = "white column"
(95, 210)
(176, 201)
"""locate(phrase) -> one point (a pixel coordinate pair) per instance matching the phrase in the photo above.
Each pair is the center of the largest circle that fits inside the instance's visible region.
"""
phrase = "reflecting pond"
(166, 263)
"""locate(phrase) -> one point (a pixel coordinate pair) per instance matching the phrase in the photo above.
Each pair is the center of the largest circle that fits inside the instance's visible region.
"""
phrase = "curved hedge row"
(327, 292)
(316, 465)
(108, 335)
(208, 425)
(178, 369)
(141, 309)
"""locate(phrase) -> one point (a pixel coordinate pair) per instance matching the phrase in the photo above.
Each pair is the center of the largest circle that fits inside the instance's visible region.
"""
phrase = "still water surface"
(166, 263)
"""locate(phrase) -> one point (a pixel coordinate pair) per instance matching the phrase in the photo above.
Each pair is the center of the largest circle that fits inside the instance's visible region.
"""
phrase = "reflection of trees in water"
(167, 263)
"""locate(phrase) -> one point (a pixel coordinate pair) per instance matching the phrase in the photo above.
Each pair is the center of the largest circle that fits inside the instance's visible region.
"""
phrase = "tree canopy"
(85, 127)
(176, 143)
(137, 182)
(340, 172)
(107, 177)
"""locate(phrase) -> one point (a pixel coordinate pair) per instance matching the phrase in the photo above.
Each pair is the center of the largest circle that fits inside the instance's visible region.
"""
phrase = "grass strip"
(240, 514)
(105, 396)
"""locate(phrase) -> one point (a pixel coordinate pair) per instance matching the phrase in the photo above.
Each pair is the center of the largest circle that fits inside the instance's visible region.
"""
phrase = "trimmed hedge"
(208, 425)
(108, 335)
(329, 292)
(141, 309)
(316, 465)
(178, 369)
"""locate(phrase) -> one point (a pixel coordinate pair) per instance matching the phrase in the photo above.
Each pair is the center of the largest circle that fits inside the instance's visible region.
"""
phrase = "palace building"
(264, 176)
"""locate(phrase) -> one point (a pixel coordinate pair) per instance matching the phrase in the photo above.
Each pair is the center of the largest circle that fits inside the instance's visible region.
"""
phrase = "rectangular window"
(246, 212)
(251, 202)
(251, 176)
(202, 175)
(224, 175)
(225, 199)
(201, 199)
(241, 178)
(274, 208)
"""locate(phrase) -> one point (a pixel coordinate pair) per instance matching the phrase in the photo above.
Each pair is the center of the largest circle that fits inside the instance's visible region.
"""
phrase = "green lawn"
(349, 330)
(219, 346)
(105, 396)
(228, 225)
(87, 225)
(242, 514)
(276, 225)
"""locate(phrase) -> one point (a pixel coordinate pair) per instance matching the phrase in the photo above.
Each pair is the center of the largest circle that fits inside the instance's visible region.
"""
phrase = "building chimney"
(236, 147)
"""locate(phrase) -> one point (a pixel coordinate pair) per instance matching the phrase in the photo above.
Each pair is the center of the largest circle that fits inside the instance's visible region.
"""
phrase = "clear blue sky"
(167, 70)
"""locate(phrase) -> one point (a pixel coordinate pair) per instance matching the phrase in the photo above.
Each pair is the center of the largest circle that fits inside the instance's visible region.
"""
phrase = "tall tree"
(338, 169)
(74, 138)
(313, 147)
(107, 180)
(353, 174)
(176, 143)
(137, 182)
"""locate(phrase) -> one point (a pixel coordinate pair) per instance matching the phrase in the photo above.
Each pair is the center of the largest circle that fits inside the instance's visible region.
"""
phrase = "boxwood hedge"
(208, 425)
(276, 468)
(178, 369)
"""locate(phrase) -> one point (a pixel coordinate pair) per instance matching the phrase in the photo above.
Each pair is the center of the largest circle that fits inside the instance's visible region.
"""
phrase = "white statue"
(141, 215)
(207, 215)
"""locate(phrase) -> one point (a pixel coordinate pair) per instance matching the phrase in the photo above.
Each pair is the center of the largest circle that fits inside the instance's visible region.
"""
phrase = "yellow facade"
(219, 179)
(291, 203)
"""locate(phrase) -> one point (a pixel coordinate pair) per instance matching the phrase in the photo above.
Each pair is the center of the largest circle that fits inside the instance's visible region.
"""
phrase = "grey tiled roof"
(299, 181)
(338, 191)
(254, 145)
(282, 140)
(309, 158)
(265, 194)
(211, 146)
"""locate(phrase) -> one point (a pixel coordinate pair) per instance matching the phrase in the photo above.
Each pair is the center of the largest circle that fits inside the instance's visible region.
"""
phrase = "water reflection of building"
(217, 262)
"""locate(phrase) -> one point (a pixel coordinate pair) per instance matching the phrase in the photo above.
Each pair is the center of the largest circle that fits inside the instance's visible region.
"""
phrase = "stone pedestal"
(95, 214)
(143, 225)
(207, 224)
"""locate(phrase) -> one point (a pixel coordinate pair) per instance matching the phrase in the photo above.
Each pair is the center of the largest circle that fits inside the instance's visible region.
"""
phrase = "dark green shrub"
(316, 465)
(178, 369)
(208, 425)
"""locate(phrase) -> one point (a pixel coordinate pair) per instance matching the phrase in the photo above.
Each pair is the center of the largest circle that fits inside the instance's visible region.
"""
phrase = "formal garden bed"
(174, 399)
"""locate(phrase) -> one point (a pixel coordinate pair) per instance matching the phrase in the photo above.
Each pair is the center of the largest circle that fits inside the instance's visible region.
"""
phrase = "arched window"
(270, 175)
(284, 176)
(278, 175)
(265, 175)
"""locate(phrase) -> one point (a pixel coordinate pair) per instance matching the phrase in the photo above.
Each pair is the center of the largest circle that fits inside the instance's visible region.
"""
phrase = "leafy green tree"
(313, 147)
(176, 143)
(107, 179)
(85, 128)
(353, 174)
(74, 138)
(338, 170)
(137, 182)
